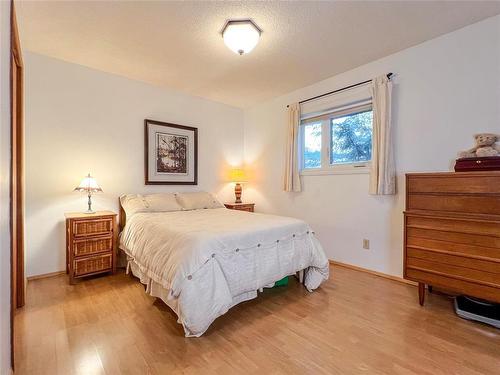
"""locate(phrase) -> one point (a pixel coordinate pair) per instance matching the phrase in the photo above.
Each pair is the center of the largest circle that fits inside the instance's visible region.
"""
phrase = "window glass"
(351, 138)
(311, 157)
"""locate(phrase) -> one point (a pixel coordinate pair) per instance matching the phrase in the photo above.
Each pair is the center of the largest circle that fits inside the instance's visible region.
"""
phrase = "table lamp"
(89, 185)
(238, 176)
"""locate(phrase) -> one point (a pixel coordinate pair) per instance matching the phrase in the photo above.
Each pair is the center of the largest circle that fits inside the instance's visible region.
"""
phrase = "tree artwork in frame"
(171, 154)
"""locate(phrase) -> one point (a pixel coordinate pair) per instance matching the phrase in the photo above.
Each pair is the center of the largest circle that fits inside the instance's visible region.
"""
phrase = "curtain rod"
(338, 90)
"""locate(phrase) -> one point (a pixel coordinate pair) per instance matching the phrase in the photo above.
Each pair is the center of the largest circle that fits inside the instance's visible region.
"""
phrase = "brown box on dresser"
(90, 244)
(452, 232)
(491, 163)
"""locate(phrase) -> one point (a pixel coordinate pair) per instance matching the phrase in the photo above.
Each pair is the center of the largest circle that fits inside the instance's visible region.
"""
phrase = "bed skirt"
(156, 290)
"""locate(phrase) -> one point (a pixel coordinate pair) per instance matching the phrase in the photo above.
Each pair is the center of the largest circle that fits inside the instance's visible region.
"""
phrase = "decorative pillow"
(199, 200)
(133, 203)
(162, 202)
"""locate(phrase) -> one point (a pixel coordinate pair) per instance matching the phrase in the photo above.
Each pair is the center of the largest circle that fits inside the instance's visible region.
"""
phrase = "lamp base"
(90, 210)
(237, 193)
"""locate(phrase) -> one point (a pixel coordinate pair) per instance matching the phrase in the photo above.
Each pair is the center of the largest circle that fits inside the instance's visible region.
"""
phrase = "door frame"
(18, 284)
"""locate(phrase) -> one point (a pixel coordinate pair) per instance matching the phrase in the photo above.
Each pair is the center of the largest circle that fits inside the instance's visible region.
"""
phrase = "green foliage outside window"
(350, 142)
(351, 138)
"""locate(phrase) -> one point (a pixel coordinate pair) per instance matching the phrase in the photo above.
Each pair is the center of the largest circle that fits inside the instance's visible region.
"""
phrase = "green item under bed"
(282, 282)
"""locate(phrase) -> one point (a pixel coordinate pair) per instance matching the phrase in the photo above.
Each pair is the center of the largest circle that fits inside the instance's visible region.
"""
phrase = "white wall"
(445, 90)
(4, 187)
(80, 120)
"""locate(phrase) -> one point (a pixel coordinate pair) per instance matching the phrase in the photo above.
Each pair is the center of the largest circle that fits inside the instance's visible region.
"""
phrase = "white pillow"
(133, 203)
(199, 200)
(162, 202)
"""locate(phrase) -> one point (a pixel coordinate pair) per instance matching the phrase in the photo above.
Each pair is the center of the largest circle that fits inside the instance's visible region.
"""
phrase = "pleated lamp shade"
(88, 185)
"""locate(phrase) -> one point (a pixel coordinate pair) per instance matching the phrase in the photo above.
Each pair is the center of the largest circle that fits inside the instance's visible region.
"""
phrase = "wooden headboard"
(122, 218)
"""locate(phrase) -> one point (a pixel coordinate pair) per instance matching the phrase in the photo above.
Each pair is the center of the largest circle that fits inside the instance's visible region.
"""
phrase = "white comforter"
(209, 260)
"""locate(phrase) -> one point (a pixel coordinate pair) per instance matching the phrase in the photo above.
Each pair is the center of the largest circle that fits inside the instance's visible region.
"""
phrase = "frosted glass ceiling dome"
(241, 36)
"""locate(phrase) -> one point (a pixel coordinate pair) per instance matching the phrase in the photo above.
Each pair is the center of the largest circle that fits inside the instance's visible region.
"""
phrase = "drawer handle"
(478, 161)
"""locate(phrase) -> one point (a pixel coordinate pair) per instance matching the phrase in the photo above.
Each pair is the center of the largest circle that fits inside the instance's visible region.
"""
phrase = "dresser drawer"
(93, 245)
(451, 224)
(454, 183)
(100, 263)
(492, 266)
(92, 227)
(431, 244)
(458, 272)
(454, 237)
(458, 286)
(473, 204)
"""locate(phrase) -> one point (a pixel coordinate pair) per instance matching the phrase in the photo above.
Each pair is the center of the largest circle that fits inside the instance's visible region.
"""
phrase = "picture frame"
(170, 153)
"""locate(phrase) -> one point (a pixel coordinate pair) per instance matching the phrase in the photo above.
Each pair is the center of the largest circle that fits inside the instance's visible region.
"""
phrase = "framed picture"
(171, 154)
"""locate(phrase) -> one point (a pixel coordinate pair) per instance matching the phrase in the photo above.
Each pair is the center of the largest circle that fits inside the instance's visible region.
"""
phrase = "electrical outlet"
(366, 244)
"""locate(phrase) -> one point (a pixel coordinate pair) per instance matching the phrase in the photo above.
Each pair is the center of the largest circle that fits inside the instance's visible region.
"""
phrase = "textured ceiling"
(178, 44)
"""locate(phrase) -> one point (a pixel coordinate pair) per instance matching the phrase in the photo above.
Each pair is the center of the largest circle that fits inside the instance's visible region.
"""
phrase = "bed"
(202, 259)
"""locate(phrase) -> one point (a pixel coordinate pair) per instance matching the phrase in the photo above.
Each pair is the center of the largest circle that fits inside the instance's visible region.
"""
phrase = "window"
(339, 141)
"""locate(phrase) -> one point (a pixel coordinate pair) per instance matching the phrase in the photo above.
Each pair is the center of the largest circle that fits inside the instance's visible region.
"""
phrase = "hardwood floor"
(355, 323)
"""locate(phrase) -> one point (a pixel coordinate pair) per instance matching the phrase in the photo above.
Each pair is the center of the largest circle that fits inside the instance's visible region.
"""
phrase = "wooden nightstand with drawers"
(90, 244)
(249, 207)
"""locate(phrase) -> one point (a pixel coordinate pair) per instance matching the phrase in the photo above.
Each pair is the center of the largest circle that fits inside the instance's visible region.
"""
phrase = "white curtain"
(382, 174)
(291, 178)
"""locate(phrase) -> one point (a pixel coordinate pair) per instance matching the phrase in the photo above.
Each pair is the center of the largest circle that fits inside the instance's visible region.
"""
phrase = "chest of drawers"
(452, 232)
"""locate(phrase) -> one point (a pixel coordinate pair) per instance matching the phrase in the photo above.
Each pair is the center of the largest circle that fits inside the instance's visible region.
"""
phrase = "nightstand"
(249, 207)
(90, 244)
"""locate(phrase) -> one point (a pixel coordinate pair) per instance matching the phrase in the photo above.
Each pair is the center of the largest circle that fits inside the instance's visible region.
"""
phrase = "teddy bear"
(485, 146)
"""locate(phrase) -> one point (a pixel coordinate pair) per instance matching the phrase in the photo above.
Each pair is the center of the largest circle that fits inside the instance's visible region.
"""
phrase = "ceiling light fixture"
(241, 36)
